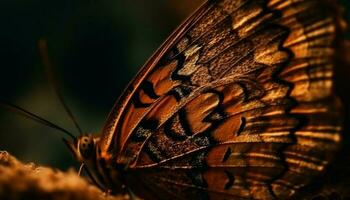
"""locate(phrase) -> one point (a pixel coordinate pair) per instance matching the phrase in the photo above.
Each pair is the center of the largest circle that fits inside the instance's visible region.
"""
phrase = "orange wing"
(128, 102)
(237, 104)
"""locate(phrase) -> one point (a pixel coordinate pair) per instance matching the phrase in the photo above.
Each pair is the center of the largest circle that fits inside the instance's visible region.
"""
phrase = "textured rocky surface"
(28, 181)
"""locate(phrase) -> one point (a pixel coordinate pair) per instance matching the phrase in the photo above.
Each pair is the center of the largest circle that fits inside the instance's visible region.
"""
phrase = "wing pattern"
(238, 104)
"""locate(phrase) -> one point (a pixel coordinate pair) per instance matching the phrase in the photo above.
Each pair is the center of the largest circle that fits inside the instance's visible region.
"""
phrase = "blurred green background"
(96, 47)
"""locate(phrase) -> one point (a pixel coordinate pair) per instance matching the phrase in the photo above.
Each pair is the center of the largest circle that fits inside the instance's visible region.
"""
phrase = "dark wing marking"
(114, 118)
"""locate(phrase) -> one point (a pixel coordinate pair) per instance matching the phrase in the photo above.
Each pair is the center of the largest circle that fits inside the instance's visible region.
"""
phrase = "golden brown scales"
(238, 103)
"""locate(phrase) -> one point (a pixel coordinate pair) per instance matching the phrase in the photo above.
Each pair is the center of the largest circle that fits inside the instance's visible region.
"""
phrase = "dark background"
(97, 46)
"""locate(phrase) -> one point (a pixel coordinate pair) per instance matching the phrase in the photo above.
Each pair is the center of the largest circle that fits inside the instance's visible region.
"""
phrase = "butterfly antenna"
(42, 45)
(34, 117)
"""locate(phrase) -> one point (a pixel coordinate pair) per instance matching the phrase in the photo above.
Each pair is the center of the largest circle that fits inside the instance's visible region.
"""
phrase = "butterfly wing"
(137, 98)
(237, 104)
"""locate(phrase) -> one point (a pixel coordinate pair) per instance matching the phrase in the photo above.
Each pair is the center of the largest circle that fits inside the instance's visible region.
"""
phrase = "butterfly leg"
(132, 196)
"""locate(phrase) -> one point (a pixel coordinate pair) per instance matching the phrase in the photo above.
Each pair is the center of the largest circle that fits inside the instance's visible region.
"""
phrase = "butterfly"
(238, 103)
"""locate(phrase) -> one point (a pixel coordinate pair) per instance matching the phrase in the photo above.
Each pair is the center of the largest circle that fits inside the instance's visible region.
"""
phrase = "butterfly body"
(238, 103)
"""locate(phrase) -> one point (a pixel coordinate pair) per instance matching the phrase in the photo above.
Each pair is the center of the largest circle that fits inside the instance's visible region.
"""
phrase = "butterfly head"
(83, 148)
(86, 150)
